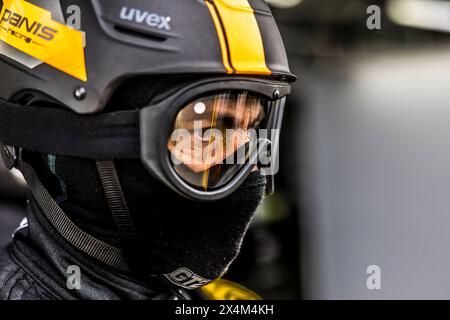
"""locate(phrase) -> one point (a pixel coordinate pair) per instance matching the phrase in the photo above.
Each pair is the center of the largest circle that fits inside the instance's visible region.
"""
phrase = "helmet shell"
(126, 38)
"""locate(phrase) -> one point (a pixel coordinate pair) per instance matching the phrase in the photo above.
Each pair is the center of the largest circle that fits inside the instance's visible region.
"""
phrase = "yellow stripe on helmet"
(245, 43)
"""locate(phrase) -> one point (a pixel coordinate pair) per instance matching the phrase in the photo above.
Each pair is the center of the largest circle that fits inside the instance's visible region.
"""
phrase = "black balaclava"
(184, 241)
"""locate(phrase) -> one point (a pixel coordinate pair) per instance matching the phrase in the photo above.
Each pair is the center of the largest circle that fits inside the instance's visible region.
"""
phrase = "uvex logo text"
(145, 17)
(10, 18)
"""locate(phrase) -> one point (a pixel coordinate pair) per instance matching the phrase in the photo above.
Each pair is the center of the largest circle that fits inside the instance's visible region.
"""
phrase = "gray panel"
(378, 176)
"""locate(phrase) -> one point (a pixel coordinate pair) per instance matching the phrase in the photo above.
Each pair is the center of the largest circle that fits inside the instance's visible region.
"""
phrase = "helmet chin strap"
(116, 200)
(110, 255)
(99, 250)
(118, 206)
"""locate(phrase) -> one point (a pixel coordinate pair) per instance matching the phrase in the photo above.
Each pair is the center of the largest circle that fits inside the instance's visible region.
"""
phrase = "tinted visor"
(214, 136)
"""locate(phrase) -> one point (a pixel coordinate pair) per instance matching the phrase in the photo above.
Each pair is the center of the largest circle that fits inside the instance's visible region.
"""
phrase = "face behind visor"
(208, 133)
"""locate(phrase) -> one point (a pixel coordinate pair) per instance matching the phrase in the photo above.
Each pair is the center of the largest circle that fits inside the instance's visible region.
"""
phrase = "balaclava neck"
(187, 242)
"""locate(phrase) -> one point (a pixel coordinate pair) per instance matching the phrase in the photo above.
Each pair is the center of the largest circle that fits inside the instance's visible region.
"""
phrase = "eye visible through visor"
(214, 136)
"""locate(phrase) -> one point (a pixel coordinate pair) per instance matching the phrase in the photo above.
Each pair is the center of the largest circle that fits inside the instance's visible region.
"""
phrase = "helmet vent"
(139, 34)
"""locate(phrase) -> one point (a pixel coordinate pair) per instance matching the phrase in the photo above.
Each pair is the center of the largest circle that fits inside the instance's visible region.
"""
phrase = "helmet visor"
(214, 136)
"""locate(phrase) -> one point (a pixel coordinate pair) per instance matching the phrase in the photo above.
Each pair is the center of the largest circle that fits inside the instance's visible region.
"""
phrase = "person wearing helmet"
(148, 136)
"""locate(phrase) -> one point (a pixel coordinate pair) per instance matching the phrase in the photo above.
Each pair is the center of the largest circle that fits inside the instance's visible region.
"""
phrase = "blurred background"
(365, 172)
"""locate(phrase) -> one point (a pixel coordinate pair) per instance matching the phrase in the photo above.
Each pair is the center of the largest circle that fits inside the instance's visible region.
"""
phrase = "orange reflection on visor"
(210, 130)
